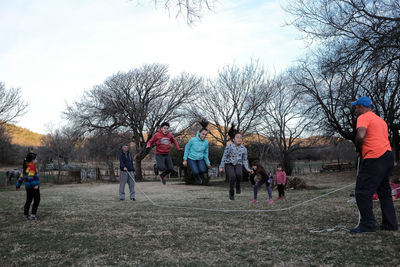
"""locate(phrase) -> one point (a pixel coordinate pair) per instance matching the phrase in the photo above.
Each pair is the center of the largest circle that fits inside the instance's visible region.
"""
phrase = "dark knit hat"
(31, 156)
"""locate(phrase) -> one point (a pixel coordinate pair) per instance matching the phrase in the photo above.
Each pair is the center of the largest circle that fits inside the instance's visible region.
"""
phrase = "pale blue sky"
(56, 49)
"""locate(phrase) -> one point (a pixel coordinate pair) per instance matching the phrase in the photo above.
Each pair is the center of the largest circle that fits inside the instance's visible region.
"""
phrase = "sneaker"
(26, 217)
(271, 201)
(133, 199)
(231, 197)
(121, 199)
(163, 179)
(238, 191)
(253, 201)
(155, 169)
(198, 180)
(33, 217)
(358, 230)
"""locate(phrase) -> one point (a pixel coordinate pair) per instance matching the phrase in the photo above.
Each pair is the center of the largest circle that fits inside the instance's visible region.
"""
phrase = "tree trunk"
(59, 171)
(110, 165)
(138, 169)
(287, 165)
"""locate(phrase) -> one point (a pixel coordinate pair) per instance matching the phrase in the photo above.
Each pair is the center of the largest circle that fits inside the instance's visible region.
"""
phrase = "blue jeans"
(198, 167)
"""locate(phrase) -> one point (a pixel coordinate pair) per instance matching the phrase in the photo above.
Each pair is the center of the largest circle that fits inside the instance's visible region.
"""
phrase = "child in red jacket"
(163, 140)
(280, 180)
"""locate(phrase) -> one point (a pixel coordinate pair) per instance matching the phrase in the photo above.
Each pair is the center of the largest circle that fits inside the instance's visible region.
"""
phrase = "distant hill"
(23, 137)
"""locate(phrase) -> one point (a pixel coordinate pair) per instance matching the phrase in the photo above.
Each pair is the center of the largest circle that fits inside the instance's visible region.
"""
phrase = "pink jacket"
(280, 177)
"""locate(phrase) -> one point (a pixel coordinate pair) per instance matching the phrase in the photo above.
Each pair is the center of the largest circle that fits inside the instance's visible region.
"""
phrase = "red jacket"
(163, 142)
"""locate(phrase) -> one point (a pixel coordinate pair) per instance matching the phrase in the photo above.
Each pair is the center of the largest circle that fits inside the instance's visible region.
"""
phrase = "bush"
(296, 183)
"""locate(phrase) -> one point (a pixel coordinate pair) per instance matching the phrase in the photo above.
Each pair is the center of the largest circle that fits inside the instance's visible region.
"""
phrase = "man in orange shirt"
(373, 142)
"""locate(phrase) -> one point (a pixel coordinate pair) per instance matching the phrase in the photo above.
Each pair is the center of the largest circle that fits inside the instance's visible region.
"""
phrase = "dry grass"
(87, 225)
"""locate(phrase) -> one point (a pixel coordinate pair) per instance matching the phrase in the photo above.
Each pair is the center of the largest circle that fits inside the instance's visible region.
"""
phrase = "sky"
(54, 50)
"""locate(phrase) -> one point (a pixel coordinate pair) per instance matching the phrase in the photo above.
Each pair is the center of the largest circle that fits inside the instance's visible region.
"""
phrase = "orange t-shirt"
(376, 141)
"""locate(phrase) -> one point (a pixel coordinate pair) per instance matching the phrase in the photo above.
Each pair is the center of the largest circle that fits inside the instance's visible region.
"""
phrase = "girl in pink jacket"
(280, 180)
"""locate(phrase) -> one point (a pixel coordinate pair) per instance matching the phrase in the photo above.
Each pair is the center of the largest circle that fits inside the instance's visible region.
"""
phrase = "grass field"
(87, 225)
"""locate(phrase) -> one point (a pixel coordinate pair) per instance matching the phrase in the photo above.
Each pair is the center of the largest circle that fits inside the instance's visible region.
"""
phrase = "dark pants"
(281, 190)
(164, 164)
(32, 194)
(234, 174)
(374, 177)
(198, 167)
(258, 185)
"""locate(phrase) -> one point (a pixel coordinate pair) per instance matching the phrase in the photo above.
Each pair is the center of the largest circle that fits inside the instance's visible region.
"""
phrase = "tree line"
(356, 53)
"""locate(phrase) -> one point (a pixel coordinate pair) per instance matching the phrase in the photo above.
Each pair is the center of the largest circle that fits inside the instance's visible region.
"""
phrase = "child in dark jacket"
(31, 180)
(263, 178)
(163, 139)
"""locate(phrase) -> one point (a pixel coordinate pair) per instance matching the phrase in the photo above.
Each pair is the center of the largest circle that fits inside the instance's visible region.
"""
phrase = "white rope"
(239, 210)
(341, 227)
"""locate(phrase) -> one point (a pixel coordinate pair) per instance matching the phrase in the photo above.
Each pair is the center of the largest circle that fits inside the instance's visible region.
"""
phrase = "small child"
(259, 170)
(280, 180)
(32, 183)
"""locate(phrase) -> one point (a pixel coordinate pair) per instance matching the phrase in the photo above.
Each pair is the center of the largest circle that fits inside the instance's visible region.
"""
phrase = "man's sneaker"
(133, 199)
(271, 201)
(121, 199)
(238, 191)
(358, 230)
(253, 201)
(26, 217)
(163, 179)
(231, 196)
(33, 217)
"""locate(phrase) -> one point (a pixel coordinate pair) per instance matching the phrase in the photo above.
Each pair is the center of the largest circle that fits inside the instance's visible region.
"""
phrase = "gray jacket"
(234, 155)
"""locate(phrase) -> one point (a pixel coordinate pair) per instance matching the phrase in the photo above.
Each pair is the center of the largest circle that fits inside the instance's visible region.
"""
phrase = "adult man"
(127, 173)
(373, 142)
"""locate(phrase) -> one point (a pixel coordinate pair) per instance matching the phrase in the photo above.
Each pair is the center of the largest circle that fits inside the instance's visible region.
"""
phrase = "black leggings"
(32, 194)
(234, 174)
(281, 190)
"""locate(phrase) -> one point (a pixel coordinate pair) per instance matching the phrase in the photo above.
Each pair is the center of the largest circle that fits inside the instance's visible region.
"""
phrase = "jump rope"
(339, 227)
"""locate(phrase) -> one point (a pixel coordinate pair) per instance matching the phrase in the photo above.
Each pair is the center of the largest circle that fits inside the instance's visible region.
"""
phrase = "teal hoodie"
(197, 149)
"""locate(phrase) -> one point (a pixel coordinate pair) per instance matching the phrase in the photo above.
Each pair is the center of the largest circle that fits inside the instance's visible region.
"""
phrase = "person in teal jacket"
(196, 154)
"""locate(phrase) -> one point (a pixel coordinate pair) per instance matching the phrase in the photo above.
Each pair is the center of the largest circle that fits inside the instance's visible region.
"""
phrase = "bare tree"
(138, 101)
(362, 36)
(284, 122)
(12, 105)
(105, 145)
(328, 95)
(59, 146)
(190, 10)
(235, 96)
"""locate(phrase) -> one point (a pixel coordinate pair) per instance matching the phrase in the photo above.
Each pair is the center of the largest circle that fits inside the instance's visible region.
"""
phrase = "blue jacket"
(197, 149)
(125, 161)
